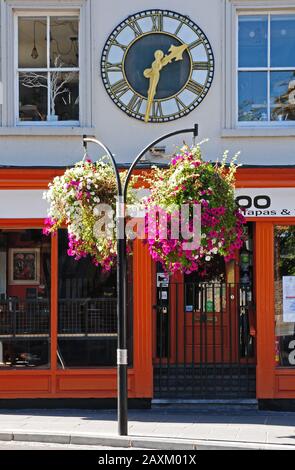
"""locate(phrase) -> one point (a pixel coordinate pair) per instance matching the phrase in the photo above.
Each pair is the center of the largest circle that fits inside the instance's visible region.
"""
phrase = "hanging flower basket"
(78, 199)
(191, 181)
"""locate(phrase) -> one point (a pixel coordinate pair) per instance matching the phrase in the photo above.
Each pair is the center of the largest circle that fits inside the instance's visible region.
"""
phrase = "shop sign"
(162, 280)
(267, 202)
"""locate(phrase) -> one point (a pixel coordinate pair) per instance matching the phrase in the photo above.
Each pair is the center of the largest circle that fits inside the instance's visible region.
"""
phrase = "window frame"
(47, 69)
(9, 10)
(230, 126)
(268, 69)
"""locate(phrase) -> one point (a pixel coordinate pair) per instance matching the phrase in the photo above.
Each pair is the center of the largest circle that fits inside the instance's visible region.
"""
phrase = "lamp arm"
(109, 154)
(194, 131)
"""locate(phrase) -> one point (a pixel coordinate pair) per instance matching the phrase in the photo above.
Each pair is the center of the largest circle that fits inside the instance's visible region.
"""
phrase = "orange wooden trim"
(32, 178)
(21, 223)
(38, 178)
(264, 275)
(285, 371)
(142, 320)
(54, 309)
(265, 177)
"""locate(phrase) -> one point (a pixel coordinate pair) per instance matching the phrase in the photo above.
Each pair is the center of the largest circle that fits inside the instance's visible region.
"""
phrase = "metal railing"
(205, 346)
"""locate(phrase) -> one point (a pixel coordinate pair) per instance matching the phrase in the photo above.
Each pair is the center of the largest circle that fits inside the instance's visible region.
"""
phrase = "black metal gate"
(205, 341)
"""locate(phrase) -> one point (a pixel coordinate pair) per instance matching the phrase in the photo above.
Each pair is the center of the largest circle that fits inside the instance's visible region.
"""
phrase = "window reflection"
(253, 41)
(282, 93)
(252, 96)
(282, 40)
(266, 81)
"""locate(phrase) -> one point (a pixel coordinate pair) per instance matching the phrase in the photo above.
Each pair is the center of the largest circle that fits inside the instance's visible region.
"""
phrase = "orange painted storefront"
(272, 382)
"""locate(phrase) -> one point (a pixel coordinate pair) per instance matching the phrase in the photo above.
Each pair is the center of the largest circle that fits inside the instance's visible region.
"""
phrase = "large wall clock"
(157, 65)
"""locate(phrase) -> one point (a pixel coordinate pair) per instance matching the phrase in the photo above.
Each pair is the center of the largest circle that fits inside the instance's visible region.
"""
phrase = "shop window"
(266, 69)
(24, 299)
(48, 70)
(87, 312)
(284, 271)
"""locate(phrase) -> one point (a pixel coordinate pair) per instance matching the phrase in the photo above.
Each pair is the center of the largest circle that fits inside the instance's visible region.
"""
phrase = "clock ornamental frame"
(186, 80)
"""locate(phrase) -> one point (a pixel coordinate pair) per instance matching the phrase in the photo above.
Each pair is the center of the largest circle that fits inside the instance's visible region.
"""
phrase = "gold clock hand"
(176, 52)
(154, 75)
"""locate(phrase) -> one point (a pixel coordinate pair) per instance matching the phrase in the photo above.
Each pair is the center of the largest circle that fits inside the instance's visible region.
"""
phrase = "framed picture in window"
(24, 266)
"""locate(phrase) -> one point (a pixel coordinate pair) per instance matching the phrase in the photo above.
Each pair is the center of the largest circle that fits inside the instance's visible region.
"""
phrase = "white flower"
(208, 258)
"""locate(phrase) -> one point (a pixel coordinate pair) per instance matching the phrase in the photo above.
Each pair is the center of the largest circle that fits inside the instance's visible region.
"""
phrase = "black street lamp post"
(122, 357)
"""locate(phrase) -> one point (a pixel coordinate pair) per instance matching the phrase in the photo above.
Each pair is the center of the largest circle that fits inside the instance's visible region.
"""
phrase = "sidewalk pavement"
(178, 429)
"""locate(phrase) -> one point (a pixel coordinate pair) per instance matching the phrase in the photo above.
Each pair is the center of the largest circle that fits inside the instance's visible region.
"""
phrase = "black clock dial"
(139, 57)
(163, 87)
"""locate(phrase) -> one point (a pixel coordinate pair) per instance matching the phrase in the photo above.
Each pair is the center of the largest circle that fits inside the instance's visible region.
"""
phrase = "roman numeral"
(118, 44)
(157, 110)
(120, 88)
(135, 103)
(157, 22)
(114, 67)
(194, 44)
(181, 106)
(200, 65)
(194, 87)
(135, 27)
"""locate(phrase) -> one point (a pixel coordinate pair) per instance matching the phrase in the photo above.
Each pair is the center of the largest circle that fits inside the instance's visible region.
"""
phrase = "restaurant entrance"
(205, 332)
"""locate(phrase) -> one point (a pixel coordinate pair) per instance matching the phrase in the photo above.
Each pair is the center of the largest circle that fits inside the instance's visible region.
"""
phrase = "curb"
(136, 442)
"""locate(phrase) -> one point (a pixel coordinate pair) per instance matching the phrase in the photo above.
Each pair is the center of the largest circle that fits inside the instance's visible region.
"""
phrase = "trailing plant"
(79, 199)
(191, 181)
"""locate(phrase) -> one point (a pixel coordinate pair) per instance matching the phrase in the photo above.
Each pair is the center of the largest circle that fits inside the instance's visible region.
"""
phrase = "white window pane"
(282, 96)
(32, 96)
(64, 96)
(64, 42)
(253, 41)
(32, 50)
(283, 41)
(253, 96)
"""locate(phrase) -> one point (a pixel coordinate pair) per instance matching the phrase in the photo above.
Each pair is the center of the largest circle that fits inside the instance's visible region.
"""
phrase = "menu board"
(289, 299)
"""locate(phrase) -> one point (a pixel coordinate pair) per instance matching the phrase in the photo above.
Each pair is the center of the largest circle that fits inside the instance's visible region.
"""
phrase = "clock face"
(157, 66)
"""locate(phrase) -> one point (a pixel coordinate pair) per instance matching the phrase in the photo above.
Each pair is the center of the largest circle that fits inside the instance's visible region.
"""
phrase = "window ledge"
(258, 132)
(62, 131)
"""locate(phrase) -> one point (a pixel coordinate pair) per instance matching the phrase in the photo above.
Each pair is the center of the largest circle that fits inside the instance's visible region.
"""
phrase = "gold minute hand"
(176, 52)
